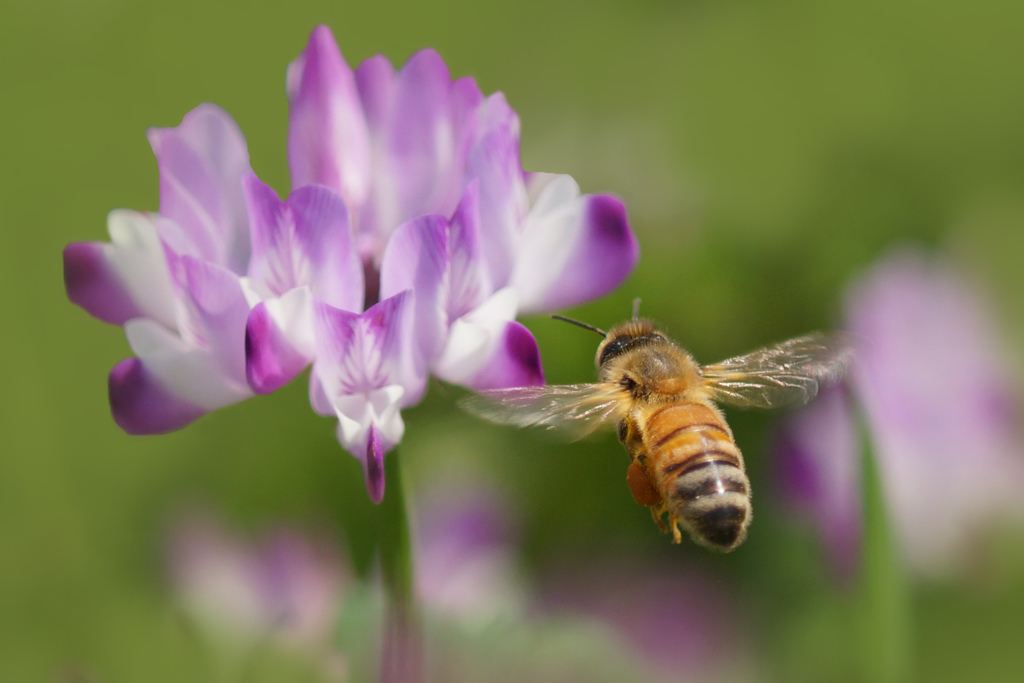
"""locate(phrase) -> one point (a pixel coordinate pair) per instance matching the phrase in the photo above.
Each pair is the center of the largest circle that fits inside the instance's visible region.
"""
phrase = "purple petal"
(272, 228)
(423, 125)
(356, 353)
(374, 467)
(125, 279)
(487, 349)
(93, 284)
(375, 79)
(515, 362)
(323, 235)
(416, 258)
(377, 217)
(141, 404)
(470, 282)
(278, 341)
(218, 314)
(466, 106)
(327, 136)
(421, 138)
(362, 372)
(819, 475)
(201, 165)
(574, 249)
(494, 162)
(305, 241)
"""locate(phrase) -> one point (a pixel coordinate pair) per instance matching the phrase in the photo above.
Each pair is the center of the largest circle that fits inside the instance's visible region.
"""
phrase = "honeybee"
(684, 462)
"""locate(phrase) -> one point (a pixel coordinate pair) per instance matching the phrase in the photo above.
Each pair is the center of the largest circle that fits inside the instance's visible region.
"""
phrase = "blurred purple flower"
(409, 202)
(681, 622)
(819, 475)
(465, 553)
(935, 390)
(286, 587)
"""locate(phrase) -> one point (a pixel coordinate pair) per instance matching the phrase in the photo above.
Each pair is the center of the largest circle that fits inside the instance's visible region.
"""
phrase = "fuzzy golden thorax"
(637, 355)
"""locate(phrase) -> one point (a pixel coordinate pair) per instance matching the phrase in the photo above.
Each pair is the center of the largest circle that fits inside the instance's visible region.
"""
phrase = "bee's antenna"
(583, 325)
(636, 308)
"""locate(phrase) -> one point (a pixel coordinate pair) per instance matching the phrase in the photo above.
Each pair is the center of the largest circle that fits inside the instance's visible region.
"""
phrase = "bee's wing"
(783, 374)
(575, 409)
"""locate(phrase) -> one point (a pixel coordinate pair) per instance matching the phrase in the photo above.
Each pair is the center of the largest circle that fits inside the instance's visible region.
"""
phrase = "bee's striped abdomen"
(700, 472)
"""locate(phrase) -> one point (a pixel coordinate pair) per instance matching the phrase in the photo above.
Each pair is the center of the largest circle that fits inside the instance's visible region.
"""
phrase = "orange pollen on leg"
(641, 486)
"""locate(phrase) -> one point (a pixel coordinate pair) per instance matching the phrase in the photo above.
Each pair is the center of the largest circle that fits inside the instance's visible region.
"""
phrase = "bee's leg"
(676, 536)
(656, 512)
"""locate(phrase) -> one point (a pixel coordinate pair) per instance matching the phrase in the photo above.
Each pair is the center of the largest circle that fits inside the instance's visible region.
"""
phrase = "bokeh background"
(769, 154)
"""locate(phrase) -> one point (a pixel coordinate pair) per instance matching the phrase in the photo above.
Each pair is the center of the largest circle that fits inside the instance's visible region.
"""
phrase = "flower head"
(818, 463)
(683, 624)
(933, 386)
(411, 241)
(466, 566)
(286, 586)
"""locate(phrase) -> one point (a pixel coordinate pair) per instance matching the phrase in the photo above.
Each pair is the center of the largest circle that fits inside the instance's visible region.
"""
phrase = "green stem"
(402, 650)
(885, 590)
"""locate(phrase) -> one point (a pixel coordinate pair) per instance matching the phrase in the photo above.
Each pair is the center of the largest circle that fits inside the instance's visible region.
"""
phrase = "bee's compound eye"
(613, 348)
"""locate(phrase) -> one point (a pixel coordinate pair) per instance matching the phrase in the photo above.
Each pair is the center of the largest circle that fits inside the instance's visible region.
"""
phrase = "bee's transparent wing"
(783, 374)
(574, 409)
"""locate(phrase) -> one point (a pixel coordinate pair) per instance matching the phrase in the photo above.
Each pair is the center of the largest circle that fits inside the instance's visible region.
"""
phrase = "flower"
(411, 241)
(465, 552)
(682, 624)
(931, 381)
(399, 146)
(286, 586)
(172, 279)
(818, 468)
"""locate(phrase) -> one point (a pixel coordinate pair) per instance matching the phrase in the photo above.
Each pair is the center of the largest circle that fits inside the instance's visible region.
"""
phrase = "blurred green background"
(768, 152)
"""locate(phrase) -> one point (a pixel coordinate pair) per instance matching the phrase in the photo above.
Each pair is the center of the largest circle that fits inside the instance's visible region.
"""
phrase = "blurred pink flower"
(285, 587)
(935, 388)
(678, 620)
(819, 475)
(465, 553)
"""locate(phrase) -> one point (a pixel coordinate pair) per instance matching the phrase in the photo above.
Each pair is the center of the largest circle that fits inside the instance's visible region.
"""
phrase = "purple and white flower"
(287, 585)
(466, 567)
(411, 241)
(933, 384)
(172, 279)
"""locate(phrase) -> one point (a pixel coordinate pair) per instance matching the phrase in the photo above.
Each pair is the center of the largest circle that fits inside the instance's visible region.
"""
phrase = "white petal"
(188, 372)
(138, 257)
(472, 337)
(356, 412)
(548, 238)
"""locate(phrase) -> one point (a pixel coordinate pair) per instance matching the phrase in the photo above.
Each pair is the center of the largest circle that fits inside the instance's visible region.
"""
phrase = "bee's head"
(625, 337)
